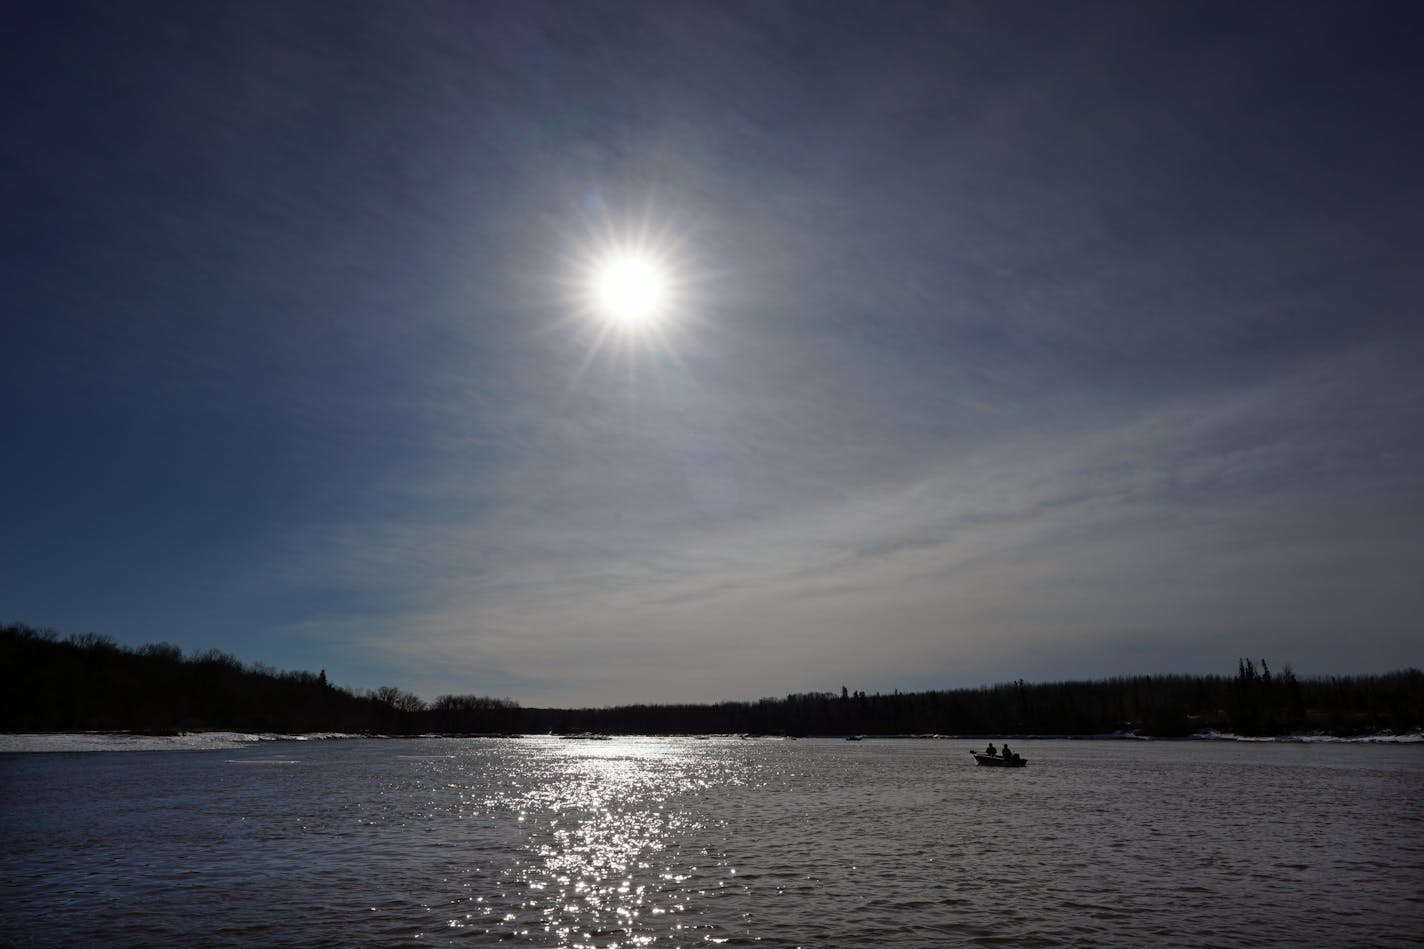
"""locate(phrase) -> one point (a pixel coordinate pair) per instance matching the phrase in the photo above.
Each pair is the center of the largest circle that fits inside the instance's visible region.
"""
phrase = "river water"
(644, 841)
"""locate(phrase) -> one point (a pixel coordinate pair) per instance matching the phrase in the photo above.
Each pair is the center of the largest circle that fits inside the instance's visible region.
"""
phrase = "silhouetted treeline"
(1253, 703)
(89, 683)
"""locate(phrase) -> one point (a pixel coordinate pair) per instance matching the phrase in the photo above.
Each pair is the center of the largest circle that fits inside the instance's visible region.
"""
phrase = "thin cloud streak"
(1166, 523)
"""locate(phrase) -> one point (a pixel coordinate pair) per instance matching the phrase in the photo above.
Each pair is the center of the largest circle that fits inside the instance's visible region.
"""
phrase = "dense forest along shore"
(90, 683)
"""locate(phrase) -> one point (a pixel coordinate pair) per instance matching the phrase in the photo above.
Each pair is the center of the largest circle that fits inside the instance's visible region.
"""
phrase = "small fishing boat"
(994, 761)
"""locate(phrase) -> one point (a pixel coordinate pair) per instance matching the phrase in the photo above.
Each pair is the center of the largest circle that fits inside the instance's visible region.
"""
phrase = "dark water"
(549, 842)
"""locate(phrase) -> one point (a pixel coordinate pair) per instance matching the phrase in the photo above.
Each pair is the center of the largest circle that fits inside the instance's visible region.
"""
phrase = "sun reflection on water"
(603, 825)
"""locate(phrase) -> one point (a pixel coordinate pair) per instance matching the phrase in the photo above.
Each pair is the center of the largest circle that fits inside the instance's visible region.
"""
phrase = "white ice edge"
(216, 741)
(103, 741)
(1317, 737)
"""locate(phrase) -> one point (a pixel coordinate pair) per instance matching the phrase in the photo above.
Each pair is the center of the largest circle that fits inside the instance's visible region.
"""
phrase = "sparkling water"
(645, 841)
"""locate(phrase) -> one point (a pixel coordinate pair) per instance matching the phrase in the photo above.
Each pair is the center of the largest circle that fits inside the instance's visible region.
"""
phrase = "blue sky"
(1010, 340)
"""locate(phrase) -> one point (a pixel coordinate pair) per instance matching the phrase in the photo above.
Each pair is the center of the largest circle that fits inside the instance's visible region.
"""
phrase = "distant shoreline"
(217, 740)
(90, 683)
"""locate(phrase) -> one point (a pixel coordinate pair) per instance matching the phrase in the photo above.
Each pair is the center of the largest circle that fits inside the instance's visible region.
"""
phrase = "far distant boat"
(855, 738)
(994, 761)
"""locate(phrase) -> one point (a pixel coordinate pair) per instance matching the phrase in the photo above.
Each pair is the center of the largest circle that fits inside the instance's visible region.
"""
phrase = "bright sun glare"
(630, 289)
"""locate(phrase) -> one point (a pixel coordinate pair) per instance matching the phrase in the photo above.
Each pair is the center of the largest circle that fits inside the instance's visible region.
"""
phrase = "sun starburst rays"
(630, 291)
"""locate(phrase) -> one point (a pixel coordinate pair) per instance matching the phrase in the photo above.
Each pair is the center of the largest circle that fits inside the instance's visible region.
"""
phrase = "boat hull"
(994, 761)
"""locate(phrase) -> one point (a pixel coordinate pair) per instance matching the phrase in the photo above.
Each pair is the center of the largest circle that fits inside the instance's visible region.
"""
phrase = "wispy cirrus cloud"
(1196, 520)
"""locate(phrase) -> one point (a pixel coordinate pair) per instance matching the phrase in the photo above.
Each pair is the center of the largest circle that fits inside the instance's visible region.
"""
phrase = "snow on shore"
(108, 741)
(217, 741)
(1316, 737)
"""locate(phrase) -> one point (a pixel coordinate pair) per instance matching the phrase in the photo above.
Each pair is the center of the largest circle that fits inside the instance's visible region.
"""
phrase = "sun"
(630, 289)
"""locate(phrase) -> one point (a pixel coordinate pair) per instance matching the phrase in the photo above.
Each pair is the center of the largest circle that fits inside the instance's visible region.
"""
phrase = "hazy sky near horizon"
(1034, 340)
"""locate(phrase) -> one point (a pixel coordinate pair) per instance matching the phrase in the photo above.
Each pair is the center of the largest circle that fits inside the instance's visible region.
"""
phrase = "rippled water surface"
(632, 842)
